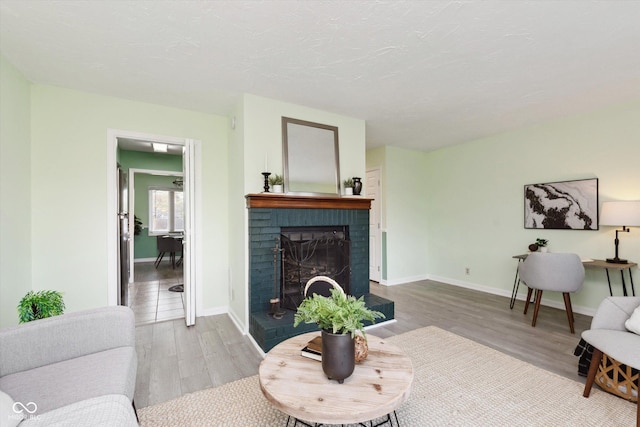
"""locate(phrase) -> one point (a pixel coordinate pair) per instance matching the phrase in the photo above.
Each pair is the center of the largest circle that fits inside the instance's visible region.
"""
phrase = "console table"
(592, 263)
(297, 386)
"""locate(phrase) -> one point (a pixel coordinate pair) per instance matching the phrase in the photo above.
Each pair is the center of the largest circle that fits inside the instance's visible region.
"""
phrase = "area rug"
(457, 382)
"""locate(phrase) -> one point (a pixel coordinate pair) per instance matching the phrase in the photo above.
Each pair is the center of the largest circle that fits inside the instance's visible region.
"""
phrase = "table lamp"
(620, 214)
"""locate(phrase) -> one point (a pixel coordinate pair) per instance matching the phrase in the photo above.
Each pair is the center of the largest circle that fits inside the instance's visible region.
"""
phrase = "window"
(166, 211)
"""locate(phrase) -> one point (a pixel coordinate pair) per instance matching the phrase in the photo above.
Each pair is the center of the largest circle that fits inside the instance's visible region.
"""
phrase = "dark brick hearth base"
(264, 229)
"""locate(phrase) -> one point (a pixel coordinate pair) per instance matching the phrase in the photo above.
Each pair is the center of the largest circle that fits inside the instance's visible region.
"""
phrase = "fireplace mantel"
(288, 201)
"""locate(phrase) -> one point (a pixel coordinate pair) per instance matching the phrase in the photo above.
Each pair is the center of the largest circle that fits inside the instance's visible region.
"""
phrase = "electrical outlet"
(467, 271)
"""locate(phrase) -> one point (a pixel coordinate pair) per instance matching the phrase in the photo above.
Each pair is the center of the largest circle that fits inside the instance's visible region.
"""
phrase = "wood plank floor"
(174, 360)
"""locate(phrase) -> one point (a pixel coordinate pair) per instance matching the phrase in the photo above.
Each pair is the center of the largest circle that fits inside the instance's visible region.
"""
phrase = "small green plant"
(137, 227)
(541, 243)
(41, 304)
(276, 180)
(339, 313)
(348, 183)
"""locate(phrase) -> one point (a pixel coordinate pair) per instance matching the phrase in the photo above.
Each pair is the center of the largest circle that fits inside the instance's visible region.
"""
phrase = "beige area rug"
(457, 382)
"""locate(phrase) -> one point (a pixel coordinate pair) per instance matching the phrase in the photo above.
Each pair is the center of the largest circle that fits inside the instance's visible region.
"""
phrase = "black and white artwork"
(562, 205)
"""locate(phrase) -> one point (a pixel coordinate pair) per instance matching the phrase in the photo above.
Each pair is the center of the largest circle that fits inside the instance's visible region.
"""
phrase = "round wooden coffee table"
(297, 386)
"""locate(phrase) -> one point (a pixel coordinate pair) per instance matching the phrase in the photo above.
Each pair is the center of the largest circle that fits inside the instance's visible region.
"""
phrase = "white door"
(375, 233)
(188, 191)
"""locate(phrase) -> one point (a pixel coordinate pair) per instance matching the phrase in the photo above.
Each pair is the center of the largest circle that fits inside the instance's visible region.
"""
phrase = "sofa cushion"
(104, 411)
(633, 323)
(60, 384)
(8, 416)
(57, 338)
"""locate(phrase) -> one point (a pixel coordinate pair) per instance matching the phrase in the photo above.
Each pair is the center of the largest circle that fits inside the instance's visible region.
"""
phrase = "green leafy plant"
(348, 183)
(276, 180)
(137, 227)
(541, 242)
(41, 304)
(339, 313)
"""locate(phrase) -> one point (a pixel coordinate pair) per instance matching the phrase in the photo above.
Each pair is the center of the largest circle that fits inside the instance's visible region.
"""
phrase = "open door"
(188, 162)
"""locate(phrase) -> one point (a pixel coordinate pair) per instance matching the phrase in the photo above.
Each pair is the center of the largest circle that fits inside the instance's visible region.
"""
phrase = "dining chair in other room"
(168, 244)
(321, 285)
(559, 272)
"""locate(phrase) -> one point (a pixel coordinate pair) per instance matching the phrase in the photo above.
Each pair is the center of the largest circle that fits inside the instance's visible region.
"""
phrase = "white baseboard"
(588, 311)
(236, 321)
(404, 280)
(137, 260)
(380, 324)
(212, 311)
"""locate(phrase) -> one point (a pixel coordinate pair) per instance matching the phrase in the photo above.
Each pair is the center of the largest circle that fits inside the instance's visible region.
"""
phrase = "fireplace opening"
(308, 252)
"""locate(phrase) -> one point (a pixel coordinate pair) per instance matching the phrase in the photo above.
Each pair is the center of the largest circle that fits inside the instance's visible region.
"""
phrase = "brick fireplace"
(269, 214)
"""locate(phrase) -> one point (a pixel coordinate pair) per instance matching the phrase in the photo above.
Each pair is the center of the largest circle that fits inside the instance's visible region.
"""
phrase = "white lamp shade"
(620, 214)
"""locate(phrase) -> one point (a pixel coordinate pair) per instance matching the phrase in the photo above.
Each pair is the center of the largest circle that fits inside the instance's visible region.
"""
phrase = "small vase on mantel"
(357, 186)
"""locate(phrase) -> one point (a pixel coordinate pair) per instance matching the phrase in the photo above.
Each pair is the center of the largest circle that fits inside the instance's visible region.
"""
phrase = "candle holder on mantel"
(266, 181)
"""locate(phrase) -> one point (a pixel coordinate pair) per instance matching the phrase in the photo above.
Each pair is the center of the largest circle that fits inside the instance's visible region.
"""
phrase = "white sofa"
(77, 369)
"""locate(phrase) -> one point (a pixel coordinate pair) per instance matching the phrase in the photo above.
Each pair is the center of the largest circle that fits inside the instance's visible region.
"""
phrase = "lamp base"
(617, 261)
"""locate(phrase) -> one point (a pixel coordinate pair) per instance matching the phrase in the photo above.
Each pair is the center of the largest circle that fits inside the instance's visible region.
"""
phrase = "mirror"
(311, 158)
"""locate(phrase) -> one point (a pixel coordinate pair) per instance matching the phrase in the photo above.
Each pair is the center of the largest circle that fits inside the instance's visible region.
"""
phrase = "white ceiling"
(423, 74)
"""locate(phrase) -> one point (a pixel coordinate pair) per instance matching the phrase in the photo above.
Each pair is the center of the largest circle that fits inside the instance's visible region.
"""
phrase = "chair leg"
(159, 259)
(567, 305)
(526, 304)
(596, 358)
(537, 307)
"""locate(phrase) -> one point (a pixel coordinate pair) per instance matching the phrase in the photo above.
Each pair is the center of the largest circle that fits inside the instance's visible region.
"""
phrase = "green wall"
(144, 246)
(69, 190)
(472, 201)
(153, 161)
(15, 191)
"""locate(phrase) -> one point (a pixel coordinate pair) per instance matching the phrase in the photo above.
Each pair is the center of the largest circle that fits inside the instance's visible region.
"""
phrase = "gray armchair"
(558, 272)
(608, 335)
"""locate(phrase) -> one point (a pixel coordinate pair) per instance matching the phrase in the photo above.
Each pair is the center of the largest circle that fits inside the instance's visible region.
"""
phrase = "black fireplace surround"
(308, 252)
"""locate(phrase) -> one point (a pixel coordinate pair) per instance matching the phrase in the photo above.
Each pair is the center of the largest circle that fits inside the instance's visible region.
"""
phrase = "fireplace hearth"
(326, 236)
(308, 252)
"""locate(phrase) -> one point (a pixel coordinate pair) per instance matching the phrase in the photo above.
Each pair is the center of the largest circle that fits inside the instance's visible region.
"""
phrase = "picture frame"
(562, 205)
(311, 158)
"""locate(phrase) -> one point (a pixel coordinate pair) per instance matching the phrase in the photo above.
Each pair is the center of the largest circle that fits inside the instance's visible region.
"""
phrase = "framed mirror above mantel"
(311, 158)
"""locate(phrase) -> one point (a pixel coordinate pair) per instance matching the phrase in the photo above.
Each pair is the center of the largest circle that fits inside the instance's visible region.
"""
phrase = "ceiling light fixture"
(159, 148)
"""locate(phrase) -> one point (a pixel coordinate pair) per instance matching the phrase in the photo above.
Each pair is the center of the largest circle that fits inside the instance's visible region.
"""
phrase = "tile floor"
(149, 295)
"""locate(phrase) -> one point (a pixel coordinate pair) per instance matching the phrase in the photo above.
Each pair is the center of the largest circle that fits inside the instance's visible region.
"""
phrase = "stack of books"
(313, 349)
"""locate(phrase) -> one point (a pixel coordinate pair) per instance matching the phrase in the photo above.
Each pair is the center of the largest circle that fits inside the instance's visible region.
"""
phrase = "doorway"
(187, 149)
(156, 282)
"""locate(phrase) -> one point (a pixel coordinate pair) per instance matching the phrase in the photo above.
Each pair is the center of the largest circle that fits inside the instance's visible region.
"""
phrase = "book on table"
(313, 349)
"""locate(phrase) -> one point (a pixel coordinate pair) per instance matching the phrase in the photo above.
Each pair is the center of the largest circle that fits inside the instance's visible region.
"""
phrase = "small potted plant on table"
(339, 316)
(542, 244)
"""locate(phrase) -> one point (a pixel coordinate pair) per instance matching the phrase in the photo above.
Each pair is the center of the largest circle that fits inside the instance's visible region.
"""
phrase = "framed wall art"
(571, 205)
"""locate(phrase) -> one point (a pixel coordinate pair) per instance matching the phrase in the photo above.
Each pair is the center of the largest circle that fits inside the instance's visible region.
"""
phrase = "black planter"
(338, 355)
(357, 186)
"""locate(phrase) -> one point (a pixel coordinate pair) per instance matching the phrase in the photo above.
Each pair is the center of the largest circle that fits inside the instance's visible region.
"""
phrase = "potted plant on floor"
(41, 304)
(339, 316)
